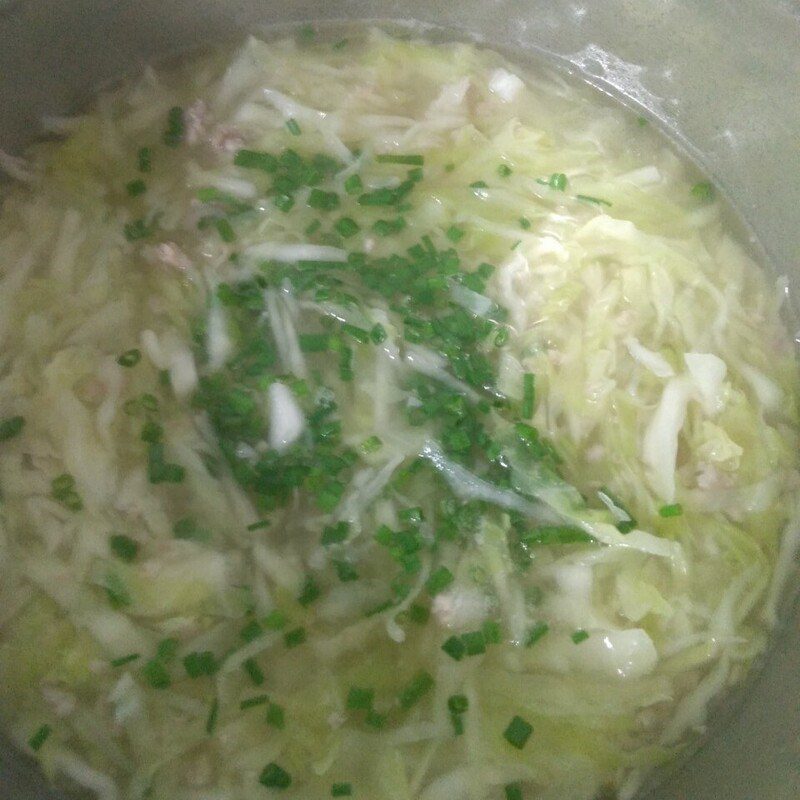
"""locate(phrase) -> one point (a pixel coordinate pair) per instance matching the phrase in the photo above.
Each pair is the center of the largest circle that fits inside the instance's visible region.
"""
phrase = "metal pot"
(720, 78)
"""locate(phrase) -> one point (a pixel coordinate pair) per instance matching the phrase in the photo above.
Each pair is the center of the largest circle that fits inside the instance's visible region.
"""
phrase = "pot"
(719, 79)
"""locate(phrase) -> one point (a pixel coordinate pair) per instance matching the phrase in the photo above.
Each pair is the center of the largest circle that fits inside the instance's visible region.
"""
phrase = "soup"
(377, 420)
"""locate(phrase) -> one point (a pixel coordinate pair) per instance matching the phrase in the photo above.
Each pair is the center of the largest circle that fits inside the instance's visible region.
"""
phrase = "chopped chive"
(283, 202)
(188, 529)
(335, 534)
(345, 571)
(123, 547)
(130, 358)
(703, 191)
(353, 184)
(502, 337)
(672, 510)
(39, 738)
(176, 127)
(458, 724)
(360, 699)
(341, 790)
(136, 187)
(439, 579)
(492, 632)
(152, 432)
(155, 673)
(225, 230)
(503, 170)
(276, 716)
(377, 333)
(513, 791)
(374, 719)
(346, 227)
(525, 223)
(457, 703)
(418, 614)
(579, 636)
(323, 201)
(275, 777)
(391, 158)
(211, 720)
(11, 427)
(359, 334)
(518, 732)
(539, 630)
(558, 181)
(121, 662)
(144, 159)
(252, 702)
(314, 342)
(292, 126)
(454, 233)
(474, 643)
(252, 159)
(294, 637)
(598, 201)
(528, 395)
(198, 664)
(251, 631)
(167, 648)
(276, 620)
(387, 227)
(254, 672)
(413, 692)
(479, 185)
(310, 592)
(555, 534)
(258, 525)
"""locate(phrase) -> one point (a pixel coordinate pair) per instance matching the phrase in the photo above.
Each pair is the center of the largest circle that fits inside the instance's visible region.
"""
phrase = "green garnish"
(525, 223)
(513, 791)
(360, 699)
(539, 630)
(579, 636)
(130, 358)
(121, 662)
(322, 200)
(387, 227)
(292, 126)
(558, 181)
(167, 649)
(251, 631)
(258, 525)
(518, 732)
(252, 702)
(371, 445)
(341, 790)
(275, 777)
(598, 201)
(439, 580)
(155, 673)
(294, 637)
(340, 45)
(503, 170)
(334, 534)
(353, 184)
(345, 571)
(672, 510)
(144, 159)
(225, 230)
(276, 716)
(276, 620)
(200, 663)
(186, 528)
(136, 187)
(213, 713)
(457, 703)
(176, 127)
(310, 592)
(346, 227)
(39, 738)
(138, 229)
(528, 395)
(255, 673)
(391, 158)
(454, 233)
(64, 491)
(555, 534)
(123, 547)
(703, 191)
(253, 159)
(479, 185)
(11, 427)
(415, 690)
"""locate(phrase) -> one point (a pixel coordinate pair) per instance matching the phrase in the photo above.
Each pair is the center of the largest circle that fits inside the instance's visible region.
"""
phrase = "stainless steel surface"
(722, 77)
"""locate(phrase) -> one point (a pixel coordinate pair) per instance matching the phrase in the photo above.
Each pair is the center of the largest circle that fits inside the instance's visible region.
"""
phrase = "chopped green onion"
(518, 732)
(346, 227)
(144, 159)
(252, 702)
(176, 127)
(418, 614)
(211, 720)
(136, 187)
(558, 181)
(502, 337)
(513, 791)
(138, 229)
(323, 201)
(283, 202)
(539, 630)
(503, 170)
(292, 126)
(310, 592)
(121, 662)
(525, 223)
(11, 427)
(39, 738)
(598, 201)
(314, 342)
(556, 534)
(387, 227)
(528, 395)
(457, 703)
(188, 529)
(276, 716)
(155, 673)
(479, 185)
(353, 184)
(439, 579)
(492, 632)
(413, 692)
(167, 648)
(391, 158)
(359, 334)
(225, 230)
(341, 790)
(360, 699)
(275, 777)
(258, 525)
(579, 636)
(130, 358)
(252, 159)
(276, 620)
(703, 191)
(200, 663)
(673, 510)
(255, 672)
(345, 571)
(454, 233)
(335, 534)
(474, 643)
(251, 631)
(294, 637)
(123, 547)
